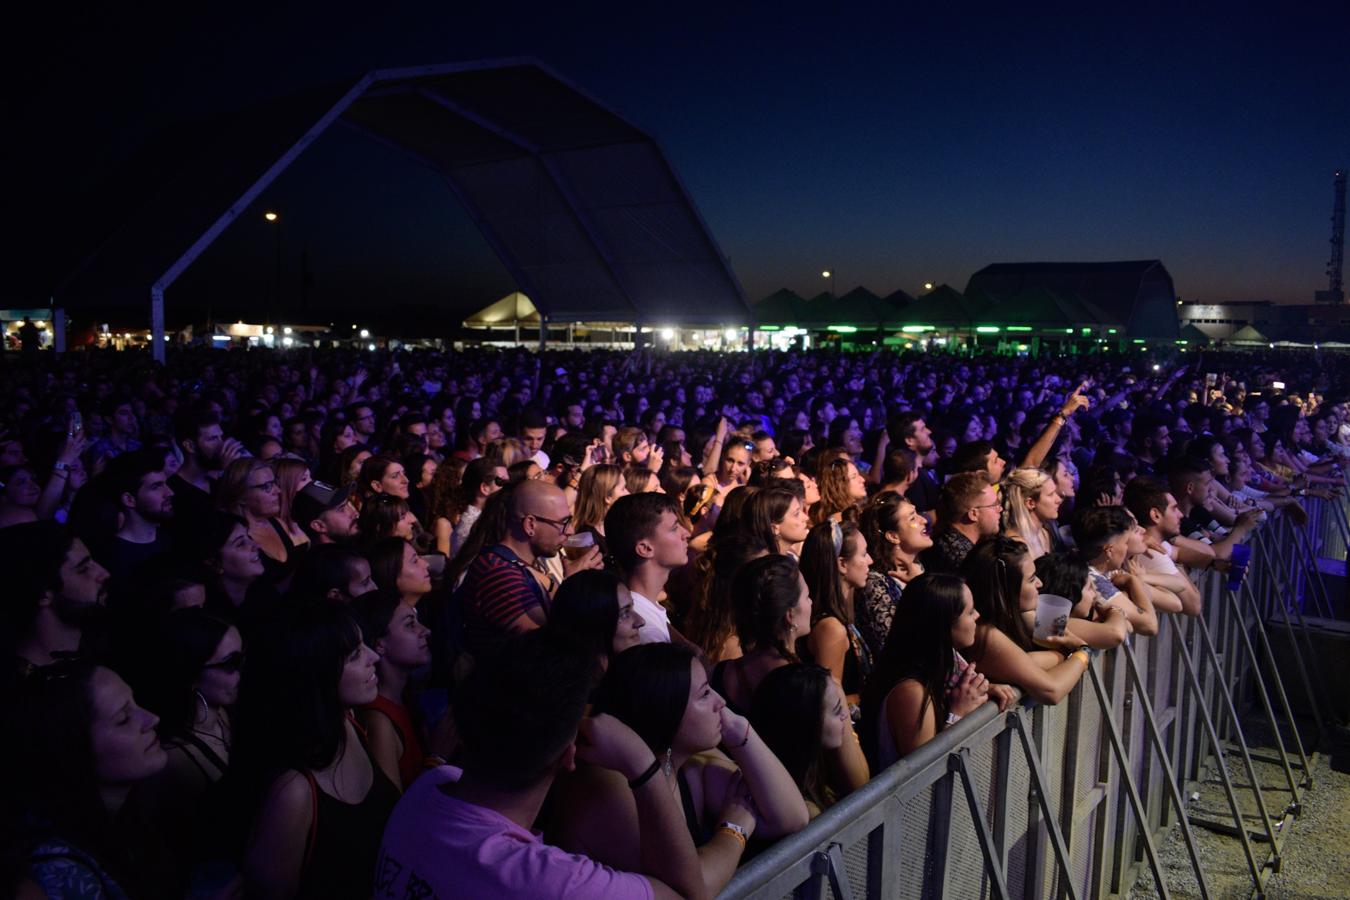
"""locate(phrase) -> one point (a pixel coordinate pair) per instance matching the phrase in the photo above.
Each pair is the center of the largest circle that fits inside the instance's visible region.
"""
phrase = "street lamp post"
(276, 220)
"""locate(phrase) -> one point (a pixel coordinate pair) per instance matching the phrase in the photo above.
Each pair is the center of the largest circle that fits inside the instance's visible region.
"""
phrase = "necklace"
(222, 736)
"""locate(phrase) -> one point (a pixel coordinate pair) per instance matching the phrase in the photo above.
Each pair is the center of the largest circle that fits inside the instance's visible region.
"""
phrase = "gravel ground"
(1316, 857)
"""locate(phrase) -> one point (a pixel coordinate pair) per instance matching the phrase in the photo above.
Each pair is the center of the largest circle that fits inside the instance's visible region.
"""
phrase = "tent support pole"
(157, 324)
(543, 333)
(59, 329)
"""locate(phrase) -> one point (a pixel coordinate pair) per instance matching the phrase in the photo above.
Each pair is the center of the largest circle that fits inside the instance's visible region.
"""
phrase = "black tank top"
(346, 840)
(693, 821)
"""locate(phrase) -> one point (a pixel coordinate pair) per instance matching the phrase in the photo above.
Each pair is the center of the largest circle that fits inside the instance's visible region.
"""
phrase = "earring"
(666, 765)
(206, 708)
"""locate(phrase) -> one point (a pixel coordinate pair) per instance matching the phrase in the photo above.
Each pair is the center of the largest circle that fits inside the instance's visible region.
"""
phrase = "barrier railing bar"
(998, 882)
(1308, 559)
(829, 864)
(1277, 680)
(1208, 644)
(1201, 715)
(1263, 695)
(1002, 773)
(1255, 868)
(1127, 778)
(1279, 602)
(1057, 840)
(1170, 778)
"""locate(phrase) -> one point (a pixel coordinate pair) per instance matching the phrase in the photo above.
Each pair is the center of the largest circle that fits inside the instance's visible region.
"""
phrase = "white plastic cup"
(1052, 615)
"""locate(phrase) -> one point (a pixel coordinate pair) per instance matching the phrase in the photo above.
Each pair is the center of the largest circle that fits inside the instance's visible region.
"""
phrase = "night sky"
(895, 148)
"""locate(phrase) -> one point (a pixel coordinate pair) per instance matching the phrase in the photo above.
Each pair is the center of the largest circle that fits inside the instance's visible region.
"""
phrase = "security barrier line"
(1070, 801)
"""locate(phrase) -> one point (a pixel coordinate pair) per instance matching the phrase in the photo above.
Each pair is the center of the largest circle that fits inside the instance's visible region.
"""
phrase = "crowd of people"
(413, 624)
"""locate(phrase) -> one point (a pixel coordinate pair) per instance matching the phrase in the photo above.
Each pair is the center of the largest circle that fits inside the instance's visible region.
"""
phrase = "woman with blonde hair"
(292, 476)
(597, 490)
(249, 489)
(1030, 507)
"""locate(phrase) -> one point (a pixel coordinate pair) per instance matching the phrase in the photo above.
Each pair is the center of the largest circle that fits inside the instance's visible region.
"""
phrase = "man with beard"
(145, 502)
(909, 432)
(205, 453)
(56, 591)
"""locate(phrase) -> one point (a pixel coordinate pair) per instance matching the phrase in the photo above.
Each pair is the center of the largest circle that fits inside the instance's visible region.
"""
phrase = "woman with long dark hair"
(594, 610)
(79, 744)
(662, 693)
(1003, 580)
(896, 533)
(777, 515)
(835, 564)
(393, 733)
(317, 801)
(189, 675)
(801, 713)
(773, 610)
(922, 684)
(395, 565)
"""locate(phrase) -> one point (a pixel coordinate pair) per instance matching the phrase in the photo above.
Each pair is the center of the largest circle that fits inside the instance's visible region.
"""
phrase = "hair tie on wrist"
(645, 776)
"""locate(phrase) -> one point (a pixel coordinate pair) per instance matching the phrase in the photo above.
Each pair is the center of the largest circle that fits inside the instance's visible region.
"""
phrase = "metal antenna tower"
(1335, 293)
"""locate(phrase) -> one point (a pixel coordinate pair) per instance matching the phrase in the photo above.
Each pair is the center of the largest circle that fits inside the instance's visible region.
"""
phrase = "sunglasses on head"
(230, 664)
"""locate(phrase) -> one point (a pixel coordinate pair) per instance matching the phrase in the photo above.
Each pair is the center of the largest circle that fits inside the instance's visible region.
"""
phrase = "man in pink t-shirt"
(466, 833)
(437, 845)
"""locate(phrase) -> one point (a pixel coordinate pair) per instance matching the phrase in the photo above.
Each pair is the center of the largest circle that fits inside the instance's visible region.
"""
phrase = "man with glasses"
(968, 510)
(505, 590)
(362, 418)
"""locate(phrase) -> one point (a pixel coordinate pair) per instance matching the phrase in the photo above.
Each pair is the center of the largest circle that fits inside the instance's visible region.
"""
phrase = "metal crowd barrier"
(1070, 800)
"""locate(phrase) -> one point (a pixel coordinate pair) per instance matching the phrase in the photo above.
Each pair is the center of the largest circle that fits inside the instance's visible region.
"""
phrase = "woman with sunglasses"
(482, 478)
(189, 676)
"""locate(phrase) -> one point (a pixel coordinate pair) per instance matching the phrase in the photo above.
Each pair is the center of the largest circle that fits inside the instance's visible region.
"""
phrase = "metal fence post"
(1169, 776)
(1240, 826)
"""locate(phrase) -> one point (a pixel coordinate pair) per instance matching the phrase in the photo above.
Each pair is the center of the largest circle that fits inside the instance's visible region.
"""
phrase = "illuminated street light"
(365, 333)
(825, 274)
(286, 330)
(928, 285)
(270, 216)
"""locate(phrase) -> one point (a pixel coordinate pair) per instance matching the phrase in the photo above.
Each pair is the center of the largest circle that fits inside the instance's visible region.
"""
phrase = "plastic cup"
(578, 544)
(1052, 615)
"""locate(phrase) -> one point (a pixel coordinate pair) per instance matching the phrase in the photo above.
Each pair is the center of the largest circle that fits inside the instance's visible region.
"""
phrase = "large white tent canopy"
(581, 206)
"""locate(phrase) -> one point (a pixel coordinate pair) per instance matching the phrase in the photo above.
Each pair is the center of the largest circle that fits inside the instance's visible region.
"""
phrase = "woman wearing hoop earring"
(191, 681)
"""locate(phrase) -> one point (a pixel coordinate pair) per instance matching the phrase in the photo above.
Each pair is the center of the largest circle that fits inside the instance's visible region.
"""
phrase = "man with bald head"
(506, 588)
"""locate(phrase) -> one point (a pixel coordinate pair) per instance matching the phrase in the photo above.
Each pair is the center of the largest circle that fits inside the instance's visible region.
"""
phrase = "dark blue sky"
(894, 147)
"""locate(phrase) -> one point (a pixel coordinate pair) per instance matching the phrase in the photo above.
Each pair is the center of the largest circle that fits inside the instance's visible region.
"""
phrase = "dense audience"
(328, 624)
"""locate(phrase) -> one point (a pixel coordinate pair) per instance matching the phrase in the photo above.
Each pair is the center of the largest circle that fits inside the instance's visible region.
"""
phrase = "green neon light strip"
(842, 329)
(916, 328)
(1019, 328)
(769, 328)
(987, 329)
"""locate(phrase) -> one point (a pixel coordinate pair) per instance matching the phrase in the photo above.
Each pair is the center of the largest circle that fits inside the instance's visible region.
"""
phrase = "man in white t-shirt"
(647, 542)
(1156, 509)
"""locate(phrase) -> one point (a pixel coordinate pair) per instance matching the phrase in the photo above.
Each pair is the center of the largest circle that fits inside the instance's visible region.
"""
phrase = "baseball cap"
(315, 499)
